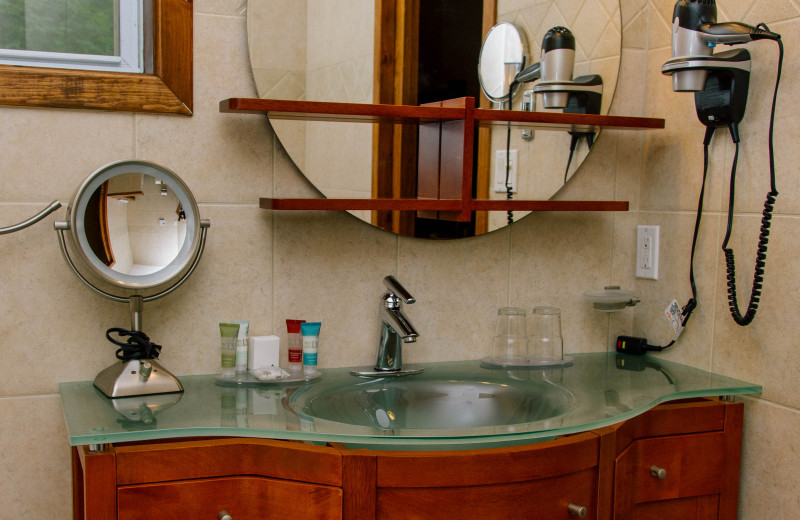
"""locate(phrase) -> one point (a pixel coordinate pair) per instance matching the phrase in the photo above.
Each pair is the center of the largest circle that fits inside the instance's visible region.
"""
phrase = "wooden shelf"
(460, 154)
(441, 205)
(365, 113)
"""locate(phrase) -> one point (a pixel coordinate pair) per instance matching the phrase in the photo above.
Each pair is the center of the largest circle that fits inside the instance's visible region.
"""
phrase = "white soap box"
(263, 352)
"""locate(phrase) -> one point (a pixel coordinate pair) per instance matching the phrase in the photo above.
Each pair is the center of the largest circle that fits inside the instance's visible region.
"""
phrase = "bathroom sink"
(430, 404)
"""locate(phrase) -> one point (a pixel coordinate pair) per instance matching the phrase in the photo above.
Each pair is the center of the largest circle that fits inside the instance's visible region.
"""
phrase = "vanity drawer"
(244, 498)
(690, 465)
(545, 499)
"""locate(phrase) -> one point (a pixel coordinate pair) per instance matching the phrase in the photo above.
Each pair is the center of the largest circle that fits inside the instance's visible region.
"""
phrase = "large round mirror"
(135, 224)
(332, 50)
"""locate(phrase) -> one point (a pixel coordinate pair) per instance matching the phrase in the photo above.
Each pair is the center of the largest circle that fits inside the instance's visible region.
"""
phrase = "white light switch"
(647, 252)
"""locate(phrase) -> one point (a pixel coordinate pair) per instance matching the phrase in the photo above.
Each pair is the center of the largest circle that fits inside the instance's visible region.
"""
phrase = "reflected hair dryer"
(695, 33)
(558, 60)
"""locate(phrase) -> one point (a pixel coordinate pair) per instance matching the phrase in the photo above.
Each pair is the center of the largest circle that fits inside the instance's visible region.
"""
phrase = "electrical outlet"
(500, 171)
(647, 252)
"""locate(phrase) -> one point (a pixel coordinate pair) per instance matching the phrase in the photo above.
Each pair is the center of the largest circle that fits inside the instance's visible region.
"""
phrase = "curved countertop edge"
(400, 441)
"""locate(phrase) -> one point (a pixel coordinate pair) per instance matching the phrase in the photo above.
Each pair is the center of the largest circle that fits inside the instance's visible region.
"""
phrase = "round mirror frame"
(77, 213)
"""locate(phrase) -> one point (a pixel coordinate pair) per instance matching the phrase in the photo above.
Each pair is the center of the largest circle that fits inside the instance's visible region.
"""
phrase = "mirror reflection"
(502, 57)
(333, 51)
(135, 224)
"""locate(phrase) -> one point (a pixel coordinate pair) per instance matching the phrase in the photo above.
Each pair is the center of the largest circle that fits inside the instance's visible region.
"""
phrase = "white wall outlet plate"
(500, 171)
(647, 252)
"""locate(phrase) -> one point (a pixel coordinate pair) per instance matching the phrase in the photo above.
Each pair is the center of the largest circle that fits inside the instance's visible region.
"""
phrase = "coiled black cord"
(138, 345)
(763, 237)
(509, 193)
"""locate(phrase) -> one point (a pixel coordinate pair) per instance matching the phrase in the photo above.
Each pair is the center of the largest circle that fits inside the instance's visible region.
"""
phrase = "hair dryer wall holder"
(589, 87)
(723, 100)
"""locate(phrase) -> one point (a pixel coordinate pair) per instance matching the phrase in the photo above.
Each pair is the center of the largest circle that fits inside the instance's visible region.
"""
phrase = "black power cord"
(138, 345)
(509, 192)
(638, 346)
(763, 237)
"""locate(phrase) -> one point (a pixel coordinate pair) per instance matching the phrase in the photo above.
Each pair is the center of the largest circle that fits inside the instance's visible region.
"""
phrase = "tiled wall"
(328, 266)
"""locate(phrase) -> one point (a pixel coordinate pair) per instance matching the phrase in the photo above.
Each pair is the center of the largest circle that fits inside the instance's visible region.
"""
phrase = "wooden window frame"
(165, 87)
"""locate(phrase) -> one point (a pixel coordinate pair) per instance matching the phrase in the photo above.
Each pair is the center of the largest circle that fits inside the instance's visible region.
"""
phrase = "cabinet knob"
(659, 473)
(576, 510)
(224, 515)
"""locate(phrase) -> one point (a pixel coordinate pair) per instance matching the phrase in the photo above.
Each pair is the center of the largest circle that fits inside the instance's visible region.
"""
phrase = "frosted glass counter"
(608, 388)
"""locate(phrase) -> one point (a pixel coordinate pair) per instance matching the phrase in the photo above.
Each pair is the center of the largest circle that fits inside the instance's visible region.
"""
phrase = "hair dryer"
(695, 32)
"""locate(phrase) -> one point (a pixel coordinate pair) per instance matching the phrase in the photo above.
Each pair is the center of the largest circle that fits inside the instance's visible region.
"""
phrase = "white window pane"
(83, 34)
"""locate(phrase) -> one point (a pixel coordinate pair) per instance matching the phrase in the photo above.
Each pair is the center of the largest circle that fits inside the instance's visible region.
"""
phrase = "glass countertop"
(597, 390)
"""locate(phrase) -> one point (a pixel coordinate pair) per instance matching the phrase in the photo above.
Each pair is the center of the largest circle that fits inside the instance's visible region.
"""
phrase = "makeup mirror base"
(136, 377)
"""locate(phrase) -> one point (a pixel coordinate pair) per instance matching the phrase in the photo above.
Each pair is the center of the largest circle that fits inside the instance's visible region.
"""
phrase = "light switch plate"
(647, 252)
(500, 171)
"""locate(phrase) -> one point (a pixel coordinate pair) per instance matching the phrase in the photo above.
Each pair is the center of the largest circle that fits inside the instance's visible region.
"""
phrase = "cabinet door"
(244, 498)
(692, 469)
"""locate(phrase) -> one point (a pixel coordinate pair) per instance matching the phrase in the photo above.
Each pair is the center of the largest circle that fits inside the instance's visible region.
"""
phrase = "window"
(73, 34)
(155, 77)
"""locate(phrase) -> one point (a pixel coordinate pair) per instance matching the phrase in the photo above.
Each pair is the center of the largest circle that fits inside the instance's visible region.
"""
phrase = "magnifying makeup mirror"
(133, 225)
(502, 57)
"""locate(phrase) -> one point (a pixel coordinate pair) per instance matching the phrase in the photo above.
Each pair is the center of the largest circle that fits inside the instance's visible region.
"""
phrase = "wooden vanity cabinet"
(679, 460)
(609, 473)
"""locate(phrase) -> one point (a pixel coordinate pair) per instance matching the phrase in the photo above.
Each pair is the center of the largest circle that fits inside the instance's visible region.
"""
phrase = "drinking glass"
(510, 343)
(547, 345)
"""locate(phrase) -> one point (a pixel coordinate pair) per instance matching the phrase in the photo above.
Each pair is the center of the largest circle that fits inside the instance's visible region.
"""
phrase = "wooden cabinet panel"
(546, 499)
(245, 498)
(693, 508)
(488, 466)
(191, 459)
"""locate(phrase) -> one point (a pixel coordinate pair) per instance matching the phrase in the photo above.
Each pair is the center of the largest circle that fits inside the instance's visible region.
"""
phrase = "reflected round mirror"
(332, 51)
(135, 224)
(502, 57)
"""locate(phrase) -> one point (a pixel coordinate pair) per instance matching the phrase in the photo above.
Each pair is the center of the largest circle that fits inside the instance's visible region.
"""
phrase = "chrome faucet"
(396, 329)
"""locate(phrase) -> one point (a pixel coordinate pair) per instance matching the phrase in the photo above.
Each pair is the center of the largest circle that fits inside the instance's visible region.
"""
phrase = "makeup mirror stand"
(136, 376)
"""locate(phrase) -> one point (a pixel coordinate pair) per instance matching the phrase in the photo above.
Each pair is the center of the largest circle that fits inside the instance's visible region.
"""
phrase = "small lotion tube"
(229, 335)
(241, 347)
(295, 345)
(310, 346)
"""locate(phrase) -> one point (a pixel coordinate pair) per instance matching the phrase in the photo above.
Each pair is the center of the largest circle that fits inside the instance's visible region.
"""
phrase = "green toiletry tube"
(229, 336)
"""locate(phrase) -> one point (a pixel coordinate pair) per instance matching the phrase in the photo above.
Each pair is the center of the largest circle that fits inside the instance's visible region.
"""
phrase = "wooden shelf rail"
(464, 110)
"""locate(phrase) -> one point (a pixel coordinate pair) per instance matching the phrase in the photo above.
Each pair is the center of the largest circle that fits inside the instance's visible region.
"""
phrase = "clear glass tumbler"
(547, 345)
(510, 343)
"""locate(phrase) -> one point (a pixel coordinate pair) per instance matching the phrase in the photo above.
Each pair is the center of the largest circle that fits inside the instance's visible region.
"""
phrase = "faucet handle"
(397, 289)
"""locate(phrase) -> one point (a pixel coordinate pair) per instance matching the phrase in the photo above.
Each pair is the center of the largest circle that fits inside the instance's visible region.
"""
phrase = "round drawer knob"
(576, 510)
(224, 515)
(657, 472)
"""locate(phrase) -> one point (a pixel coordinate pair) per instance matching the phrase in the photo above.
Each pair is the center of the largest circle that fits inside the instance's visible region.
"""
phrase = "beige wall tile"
(35, 465)
(226, 7)
(762, 352)
(548, 259)
(769, 456)
(47, 153)
(455, 319)
(675, 242)
(223, 157)
(673, 174)
(53, 326)
(329, 267)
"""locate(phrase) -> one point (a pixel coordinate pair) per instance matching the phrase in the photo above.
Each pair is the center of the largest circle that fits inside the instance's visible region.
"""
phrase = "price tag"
(673, 312)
